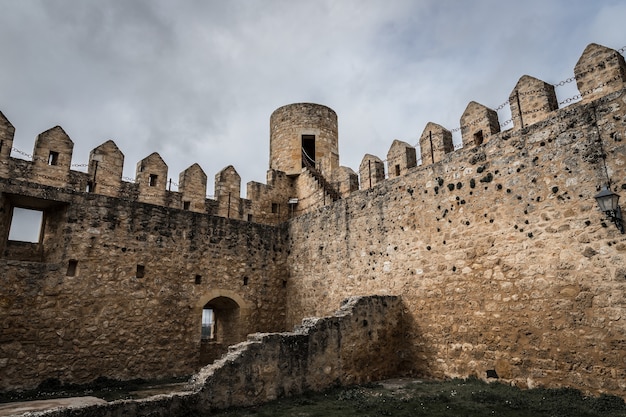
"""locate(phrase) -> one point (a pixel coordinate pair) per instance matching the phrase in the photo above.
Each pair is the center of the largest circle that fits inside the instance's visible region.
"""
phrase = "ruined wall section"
(502, 258)
(119, 286)
(359, 343)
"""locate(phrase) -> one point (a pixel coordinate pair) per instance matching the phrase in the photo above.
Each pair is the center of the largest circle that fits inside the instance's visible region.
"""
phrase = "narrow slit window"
(198, 280)
(53, 158)
(245, 280)
(26, 225)
(141, 271)
(72, 266)
(91, 187)
(397, 170)
(274, 208)
(152, 180)
(478, 138)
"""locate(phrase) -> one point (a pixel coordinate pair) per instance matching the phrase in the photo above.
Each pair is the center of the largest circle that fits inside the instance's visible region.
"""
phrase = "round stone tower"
(304, 134)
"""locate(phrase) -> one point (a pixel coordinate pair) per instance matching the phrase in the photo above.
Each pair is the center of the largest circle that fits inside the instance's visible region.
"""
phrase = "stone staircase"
(326, 186)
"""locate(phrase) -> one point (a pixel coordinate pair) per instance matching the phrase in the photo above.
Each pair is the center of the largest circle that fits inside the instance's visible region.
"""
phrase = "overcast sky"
(197, 80)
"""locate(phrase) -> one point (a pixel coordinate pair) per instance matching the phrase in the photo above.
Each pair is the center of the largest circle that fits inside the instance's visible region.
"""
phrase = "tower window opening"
(308, 150)
(53, 158)
(397, 170)
(152, 180)
(186, 205)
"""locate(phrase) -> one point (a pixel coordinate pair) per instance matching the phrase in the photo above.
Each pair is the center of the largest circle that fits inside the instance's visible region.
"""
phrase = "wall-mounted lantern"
(608, 202)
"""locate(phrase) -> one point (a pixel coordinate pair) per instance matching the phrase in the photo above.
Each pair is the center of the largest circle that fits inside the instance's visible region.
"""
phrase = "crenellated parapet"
(227, 191)
(478, 124)
(531, 101)
(435, 143)
(52, 157)
(304, 171)
(192, 184)
(106, 163)
(400, 158)
(371, 171)
(599, 71)
(151, 178)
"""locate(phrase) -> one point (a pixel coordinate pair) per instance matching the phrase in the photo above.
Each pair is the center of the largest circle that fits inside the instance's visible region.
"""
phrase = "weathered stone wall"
(361, 342)
(500, 254)
(117, 287)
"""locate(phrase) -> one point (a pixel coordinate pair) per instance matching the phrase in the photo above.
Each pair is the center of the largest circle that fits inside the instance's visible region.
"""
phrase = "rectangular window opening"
(274, 208)
(308, 150)
(71, 268)
(249, 217)
(245, 280)
(26, 225)
(53, 158)
(152, 180)
(91, 187)
(186, 205)
(198, 279)
(1, 145)
(397, 170)
(141, 271)
(478, 138)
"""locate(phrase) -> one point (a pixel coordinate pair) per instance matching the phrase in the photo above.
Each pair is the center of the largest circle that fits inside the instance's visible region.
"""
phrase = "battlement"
(302, 128)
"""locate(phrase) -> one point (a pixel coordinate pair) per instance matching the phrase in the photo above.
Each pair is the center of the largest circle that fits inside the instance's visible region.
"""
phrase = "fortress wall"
(77, 305)
(500, 254)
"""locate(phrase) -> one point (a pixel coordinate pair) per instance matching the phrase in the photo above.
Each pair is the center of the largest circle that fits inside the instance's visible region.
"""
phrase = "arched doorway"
(221, 327)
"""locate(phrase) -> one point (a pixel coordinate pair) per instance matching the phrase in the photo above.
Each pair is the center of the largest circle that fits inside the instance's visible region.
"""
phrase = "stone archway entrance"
(222, 326)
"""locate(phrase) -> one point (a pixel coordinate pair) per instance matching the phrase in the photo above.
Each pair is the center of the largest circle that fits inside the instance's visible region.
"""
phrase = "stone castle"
(489, 260)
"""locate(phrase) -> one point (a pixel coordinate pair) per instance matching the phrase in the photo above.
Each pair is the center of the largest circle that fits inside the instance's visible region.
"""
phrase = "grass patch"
(471, 397)
(105, 388)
